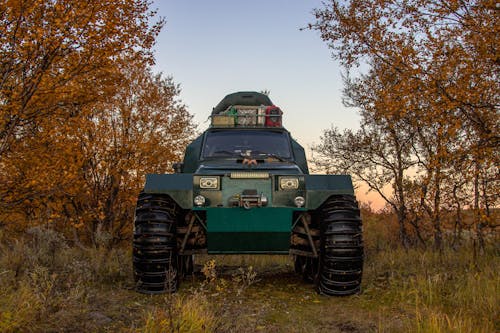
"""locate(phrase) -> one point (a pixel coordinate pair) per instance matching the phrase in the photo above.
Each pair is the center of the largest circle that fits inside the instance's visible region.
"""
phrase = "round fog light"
(299, 201)
(199, 200)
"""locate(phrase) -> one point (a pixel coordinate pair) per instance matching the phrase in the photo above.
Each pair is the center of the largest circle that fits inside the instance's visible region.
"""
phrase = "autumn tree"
(442, 59)
(142, 129)
(83, 117)
(57, 56)
(88, 172)
(379, 154)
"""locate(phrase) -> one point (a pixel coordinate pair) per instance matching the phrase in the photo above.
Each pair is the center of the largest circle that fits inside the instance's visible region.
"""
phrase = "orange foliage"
(82, 117)
(432, 83)
(57, 56)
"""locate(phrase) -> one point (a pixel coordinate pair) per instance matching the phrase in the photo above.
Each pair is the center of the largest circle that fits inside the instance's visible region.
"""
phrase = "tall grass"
(447, 291)
(47, 285)
(453, 290)
(180, 314)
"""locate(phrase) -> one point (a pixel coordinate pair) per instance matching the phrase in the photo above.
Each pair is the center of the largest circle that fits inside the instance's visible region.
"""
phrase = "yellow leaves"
(32, 183)
(76, 133)
(428, 97)
(62, 58)
(87, 170)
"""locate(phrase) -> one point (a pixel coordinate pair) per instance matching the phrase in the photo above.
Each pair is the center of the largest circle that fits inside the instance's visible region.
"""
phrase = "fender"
(320, 187)
(178, 186)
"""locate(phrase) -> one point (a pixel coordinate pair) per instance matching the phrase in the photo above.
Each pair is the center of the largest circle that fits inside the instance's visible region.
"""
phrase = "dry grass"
(188, 313)
(45, 285)
(452, 291)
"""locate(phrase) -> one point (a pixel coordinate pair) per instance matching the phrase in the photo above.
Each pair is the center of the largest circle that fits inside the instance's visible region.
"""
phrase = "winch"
(248, 199)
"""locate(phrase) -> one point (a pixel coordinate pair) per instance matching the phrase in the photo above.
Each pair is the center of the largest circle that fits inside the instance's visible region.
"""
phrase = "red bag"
(273, 116)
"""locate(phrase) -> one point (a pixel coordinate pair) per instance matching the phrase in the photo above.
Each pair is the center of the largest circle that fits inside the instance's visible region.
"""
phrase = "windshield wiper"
(260, 153)
(224, 152)
(247, 154)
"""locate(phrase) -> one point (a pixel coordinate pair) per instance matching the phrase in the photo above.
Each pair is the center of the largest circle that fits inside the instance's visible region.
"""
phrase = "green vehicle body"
(255, 230)
(250, 205)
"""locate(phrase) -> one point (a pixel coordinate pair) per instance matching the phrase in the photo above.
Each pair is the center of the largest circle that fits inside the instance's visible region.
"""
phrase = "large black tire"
(341, 253)
(155, 245)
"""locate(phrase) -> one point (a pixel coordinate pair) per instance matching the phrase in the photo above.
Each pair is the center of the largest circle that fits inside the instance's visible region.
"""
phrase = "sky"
(217, 47)
(214, 48)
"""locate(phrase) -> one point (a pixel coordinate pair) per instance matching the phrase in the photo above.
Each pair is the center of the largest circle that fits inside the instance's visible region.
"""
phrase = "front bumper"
(255, 230)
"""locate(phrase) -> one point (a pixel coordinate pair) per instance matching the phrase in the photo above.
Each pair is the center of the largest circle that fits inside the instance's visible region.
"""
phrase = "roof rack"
(248, 116)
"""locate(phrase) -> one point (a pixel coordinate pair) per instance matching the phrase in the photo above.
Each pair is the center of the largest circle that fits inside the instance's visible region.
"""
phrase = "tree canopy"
(429, 100)
(82, 115)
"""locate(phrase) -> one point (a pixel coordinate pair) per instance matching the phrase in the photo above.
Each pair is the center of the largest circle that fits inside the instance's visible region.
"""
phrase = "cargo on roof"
(246, 109)
(242, 98)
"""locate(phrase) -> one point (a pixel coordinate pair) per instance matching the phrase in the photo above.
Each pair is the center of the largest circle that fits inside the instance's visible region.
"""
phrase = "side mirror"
(178, 167)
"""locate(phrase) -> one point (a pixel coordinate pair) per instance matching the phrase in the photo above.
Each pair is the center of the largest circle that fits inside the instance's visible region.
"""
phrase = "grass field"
(47, 286)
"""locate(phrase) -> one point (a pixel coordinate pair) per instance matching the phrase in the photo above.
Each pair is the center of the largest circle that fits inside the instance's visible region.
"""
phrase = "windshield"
(246, 142)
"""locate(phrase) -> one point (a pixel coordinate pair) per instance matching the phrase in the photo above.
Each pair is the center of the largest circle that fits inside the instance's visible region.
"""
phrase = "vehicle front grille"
(249, 175)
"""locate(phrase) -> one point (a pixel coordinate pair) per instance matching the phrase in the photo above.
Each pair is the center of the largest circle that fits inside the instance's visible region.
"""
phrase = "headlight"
(199, 200)
(299, 201)
(289, 183)
(209, 183)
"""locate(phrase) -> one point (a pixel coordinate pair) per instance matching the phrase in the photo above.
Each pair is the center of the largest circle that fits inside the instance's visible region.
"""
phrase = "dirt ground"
(402, 291)
(276, 299)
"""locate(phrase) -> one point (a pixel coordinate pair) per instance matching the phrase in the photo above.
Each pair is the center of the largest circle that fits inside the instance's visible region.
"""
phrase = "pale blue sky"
(213, 48)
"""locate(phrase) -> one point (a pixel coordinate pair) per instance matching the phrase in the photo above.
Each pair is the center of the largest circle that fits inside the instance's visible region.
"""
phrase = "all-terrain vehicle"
(244, 187)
